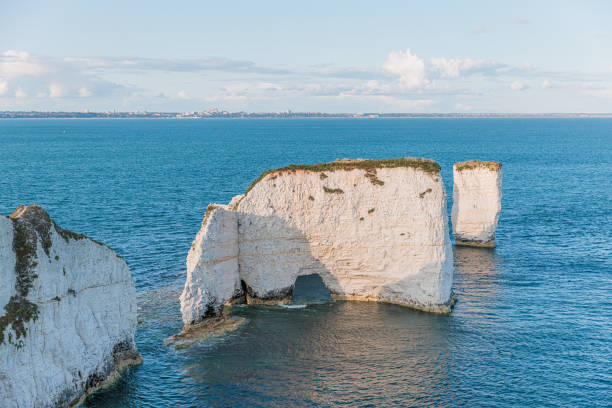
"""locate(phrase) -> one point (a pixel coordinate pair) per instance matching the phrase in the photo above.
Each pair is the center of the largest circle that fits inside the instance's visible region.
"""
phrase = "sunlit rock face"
(212, 266)
(67, 312)
(477, 193)
(373, 230)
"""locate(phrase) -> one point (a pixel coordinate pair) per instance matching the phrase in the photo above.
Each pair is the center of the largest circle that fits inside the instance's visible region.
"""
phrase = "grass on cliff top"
(474, 164)
(426, 165)
(211, 207)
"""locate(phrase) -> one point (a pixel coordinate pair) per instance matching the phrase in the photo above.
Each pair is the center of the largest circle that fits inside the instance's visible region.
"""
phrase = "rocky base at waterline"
(371, 229)
(477, 193)
(67, 313)
(212, 327)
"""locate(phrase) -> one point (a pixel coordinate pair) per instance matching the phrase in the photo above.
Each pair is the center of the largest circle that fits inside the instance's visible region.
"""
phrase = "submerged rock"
(477, 193)
(216, 326)
(373, 230)
(67, 312)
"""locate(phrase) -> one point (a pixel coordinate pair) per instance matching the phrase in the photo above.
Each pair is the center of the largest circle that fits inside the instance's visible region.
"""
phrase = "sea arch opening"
(310, 289)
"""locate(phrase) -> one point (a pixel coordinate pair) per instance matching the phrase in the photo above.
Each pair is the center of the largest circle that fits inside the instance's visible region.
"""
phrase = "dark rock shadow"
(287, 248)
(291, 255)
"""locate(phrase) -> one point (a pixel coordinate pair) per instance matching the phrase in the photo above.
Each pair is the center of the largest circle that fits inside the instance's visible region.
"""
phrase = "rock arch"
(373, 230)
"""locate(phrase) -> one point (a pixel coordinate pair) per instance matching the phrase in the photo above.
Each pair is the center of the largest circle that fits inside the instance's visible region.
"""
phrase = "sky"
(315, 56)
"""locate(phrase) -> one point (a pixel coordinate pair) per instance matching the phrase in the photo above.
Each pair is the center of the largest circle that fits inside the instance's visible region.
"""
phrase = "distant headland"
(216, 113)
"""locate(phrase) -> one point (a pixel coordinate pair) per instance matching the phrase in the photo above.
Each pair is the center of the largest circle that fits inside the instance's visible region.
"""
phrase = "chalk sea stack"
(372, 229)
(477, 193)
(67, 312)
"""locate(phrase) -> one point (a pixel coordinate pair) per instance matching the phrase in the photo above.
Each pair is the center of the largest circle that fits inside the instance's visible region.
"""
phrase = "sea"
(532, 326)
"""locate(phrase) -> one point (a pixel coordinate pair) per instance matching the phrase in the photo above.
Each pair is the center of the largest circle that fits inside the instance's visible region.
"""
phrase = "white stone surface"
(385, 242)
(212, 266)
(86, 319)
(234, 201)
(477, 194)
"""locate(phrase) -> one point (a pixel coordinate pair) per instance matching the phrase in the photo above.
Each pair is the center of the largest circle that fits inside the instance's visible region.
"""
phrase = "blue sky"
(327, 56)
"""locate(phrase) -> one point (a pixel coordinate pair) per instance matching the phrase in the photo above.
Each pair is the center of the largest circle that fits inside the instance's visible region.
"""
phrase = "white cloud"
(84, 92)
(55, 91)
(54, 77)
(518, 86)
(454, 68)
(183, 95)
(409, 68)
(21, 55)
(15, 64)
(546, 84)
(20, 93)
(3, 86)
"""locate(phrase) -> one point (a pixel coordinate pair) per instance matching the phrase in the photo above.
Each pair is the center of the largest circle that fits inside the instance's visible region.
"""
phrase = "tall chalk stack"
(477, 194)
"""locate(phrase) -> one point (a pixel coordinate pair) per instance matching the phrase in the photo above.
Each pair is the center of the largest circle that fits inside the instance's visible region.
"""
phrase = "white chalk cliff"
(477, 193)
(373, 230)
(212, 265)
(67, 312)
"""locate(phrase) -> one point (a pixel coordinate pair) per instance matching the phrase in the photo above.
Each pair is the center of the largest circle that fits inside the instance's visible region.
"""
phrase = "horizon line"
(216, 113)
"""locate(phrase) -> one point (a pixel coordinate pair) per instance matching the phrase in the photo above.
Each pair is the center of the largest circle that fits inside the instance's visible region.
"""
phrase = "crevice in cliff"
(280, 295)
(422, 195)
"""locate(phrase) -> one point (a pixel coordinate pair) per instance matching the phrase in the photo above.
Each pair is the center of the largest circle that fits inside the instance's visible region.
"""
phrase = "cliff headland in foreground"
(67, 312)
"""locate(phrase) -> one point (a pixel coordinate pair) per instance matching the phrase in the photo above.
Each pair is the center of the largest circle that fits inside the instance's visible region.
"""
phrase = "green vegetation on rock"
(27, 227)
(370, 166)
(371, 175)
(475, 164)
(31, 224)
(211, 207)
(333, 190)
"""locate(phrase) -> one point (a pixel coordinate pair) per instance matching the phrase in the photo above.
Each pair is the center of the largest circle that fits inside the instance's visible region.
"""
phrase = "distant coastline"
(215, 113)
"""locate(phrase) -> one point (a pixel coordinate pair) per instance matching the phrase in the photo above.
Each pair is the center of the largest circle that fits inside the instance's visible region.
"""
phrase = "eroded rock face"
(67, 312)
(373, 230)
(477, 193)
(212, 266)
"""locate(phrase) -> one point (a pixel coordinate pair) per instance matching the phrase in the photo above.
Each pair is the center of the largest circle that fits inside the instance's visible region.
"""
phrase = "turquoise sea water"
(533, 325)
